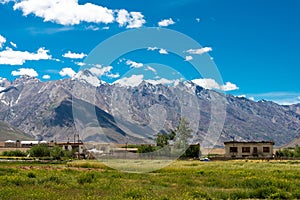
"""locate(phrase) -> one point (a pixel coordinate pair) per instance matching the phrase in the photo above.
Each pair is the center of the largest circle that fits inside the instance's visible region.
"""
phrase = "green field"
(180, 180)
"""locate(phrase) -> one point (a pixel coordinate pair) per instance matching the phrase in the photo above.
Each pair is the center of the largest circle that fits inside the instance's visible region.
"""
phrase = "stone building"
(236, 149)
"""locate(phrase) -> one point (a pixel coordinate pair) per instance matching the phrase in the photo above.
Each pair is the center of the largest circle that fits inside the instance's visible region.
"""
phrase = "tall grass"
(180, 180)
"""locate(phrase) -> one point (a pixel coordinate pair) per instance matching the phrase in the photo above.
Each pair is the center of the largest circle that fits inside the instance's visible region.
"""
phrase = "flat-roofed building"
(29, 144)
(70, 146)
(10, 144)
(236, 149)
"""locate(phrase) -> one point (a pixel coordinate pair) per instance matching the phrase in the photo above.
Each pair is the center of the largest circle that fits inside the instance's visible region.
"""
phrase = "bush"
(146, 148)
(192, 152)
(39, 151)
(57, 153)
(289, 152)
(31, 175)
(15, 153)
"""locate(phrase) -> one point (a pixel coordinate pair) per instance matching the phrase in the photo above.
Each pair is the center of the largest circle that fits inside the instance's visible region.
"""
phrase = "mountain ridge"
(34, 107)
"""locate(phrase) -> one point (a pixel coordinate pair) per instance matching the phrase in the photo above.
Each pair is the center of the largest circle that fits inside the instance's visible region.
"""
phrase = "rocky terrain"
(8, 132)
(96, 111)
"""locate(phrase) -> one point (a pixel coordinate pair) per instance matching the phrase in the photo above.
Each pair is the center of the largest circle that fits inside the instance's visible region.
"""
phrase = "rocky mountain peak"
(45, 109)
(86, 76)
(25, 79)
(4, 82)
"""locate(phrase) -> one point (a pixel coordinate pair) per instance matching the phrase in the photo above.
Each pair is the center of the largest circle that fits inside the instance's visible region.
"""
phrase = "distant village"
(232, 149)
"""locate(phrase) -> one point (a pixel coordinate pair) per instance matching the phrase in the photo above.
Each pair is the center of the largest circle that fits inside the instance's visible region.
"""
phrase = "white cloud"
(13, 44)
(245, 96)
(207, 83)
(136, 20)
(130, 19)
(199, 51)
(198, 19)
(66, 12)
(133, 81)
(11, 57)
(80, 64)
(282, 98)
(123, 17)
(210, 84)
(229, 87)
(188, 58)
(134, 64)
(251, 98)
(149, 68)
(25, 71)
(71, 55)
(2, 41)
(100, 71)
(67, 72)
(92, 27)
(117, 75)
(105, 28)
(163, 81)
(152, 48)
(46, 76)
(70, 12)
(39, 30)
(166, 22)
(163, 51)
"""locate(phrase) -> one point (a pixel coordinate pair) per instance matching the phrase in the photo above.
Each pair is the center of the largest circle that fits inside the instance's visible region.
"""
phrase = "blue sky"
(254, 44)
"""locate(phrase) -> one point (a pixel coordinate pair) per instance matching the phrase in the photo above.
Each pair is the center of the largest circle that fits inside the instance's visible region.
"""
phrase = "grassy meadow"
(180, 180)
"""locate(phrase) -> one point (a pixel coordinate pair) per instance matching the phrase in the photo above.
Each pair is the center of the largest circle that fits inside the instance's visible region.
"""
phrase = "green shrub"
(192, 151)
(39, 151)
(31, 175)
(57, 153)
(14, 153)
(146, 148)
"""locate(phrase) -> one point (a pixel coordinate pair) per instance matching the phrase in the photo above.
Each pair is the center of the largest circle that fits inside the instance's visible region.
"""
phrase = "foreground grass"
(180, 180)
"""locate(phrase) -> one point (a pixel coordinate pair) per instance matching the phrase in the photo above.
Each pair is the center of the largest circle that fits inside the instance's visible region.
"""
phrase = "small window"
(233, 149)
(266, 149)
(246, 149)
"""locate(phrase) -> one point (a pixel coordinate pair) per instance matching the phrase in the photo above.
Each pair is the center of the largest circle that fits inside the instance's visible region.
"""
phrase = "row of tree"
(179, 138)
(41, 151)
(289, 153)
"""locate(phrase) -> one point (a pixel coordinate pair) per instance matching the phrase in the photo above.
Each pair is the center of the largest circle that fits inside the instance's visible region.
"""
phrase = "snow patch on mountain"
(86, 76)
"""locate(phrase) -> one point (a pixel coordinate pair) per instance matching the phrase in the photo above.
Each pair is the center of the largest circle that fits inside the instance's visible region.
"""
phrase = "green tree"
(162, 140)
(39, 151)
(57, 153)
(146, 148)
(297, 151)
(193, 151)
(183, 133)
(172, 135)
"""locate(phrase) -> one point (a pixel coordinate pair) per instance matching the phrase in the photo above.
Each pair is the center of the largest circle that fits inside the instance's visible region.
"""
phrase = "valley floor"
(238, 179)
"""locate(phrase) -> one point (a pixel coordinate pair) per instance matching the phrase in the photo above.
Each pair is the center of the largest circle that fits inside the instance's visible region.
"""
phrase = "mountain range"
(92, 110)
